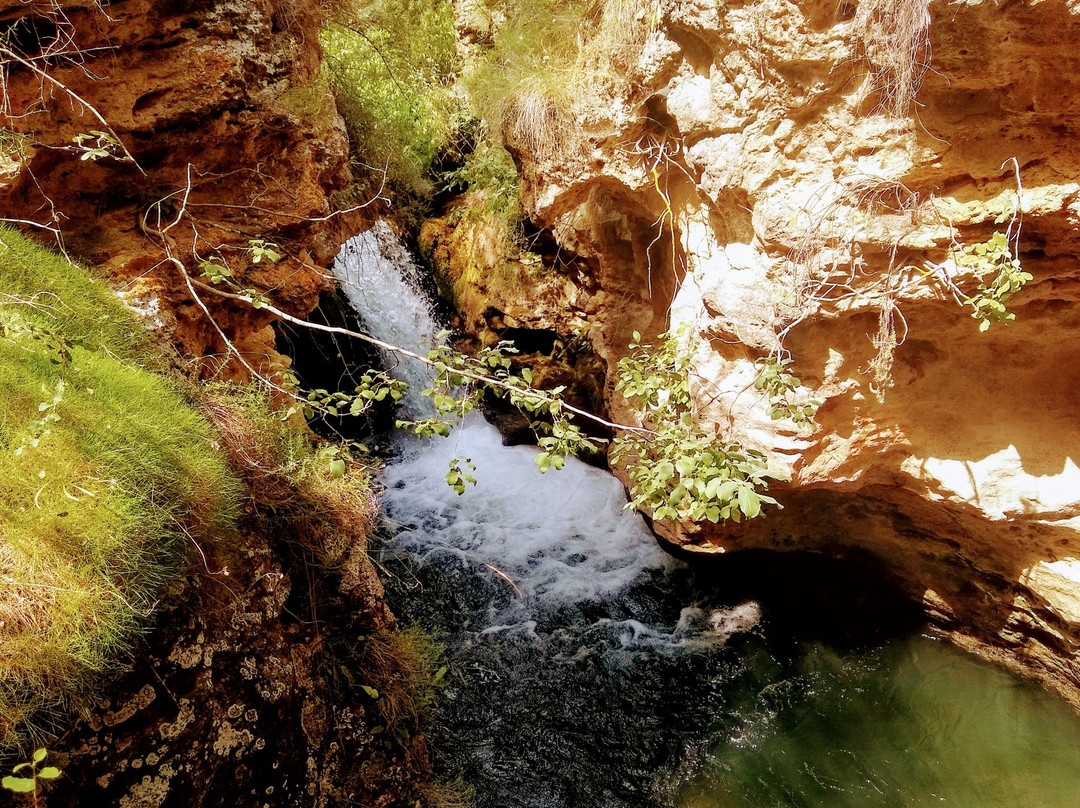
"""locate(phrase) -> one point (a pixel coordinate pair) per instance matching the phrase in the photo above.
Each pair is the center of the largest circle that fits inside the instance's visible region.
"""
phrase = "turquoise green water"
(913, 723)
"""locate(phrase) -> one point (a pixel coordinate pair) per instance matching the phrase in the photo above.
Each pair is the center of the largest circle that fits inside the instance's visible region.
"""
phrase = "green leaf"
(685, 464)
(370, 691)
(337, 467)
(39, 754)
(21, 785)
(753, 502)
(49, 773)
(726, 491)
(677, 494)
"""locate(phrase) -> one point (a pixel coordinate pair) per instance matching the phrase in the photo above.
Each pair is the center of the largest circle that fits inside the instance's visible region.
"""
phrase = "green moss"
(105, 471)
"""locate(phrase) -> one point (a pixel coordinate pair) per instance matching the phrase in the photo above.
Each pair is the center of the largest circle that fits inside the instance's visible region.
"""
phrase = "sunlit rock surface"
(767, 190)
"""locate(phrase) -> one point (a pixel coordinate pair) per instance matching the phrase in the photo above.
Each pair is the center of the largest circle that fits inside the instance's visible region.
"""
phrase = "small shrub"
(490, 180)
(489, 171)
(1001, 278)
(390, 63)
(309, 100)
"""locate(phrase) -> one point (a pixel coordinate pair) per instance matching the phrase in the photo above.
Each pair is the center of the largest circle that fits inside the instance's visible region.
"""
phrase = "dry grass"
(402, 666)
(287, 470)
(554, 68)
(455, 794)
(540, 125)
(895, 38)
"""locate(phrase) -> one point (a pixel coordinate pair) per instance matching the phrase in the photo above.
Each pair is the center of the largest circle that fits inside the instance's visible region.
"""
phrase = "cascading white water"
(557, 539)
(382, 282)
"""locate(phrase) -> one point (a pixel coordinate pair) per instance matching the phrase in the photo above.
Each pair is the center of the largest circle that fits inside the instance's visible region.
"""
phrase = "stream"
(589, 669)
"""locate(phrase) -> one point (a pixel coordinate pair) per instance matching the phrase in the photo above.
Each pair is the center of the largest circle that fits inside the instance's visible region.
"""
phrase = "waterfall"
(556, 539)
(382, 283)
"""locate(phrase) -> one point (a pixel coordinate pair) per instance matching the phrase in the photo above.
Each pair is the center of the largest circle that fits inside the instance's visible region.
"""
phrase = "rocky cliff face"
(768, 181)
(213, 109)
(248, 692)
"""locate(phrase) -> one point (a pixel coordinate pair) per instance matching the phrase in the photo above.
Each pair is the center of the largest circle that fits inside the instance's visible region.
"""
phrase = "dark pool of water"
(835, 698)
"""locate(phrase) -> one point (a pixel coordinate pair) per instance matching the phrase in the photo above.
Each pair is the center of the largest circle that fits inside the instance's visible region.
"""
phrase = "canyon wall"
(215, 110)
(144, 136)
(766, 179)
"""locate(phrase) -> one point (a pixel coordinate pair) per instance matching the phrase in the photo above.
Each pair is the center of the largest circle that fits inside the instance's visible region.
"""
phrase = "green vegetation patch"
(105, 473)
(553, 68)
(391, 64)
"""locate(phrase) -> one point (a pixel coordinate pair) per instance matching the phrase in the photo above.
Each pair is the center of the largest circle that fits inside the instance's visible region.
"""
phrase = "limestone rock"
(800, 205)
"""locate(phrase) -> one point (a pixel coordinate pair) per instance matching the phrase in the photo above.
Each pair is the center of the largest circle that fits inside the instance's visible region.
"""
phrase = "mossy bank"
(108, 478)
(188, 615)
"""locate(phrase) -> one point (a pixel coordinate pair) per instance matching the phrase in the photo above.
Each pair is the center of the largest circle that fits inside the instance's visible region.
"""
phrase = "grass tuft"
(290, 471)
(105, 471)
(554, 67)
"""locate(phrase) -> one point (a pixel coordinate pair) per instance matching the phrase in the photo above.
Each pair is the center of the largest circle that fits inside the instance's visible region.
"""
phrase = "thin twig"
(76, 97)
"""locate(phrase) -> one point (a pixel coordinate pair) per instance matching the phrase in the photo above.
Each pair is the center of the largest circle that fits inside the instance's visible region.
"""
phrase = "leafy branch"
(779, 385)
(993, 257)
(678, 470)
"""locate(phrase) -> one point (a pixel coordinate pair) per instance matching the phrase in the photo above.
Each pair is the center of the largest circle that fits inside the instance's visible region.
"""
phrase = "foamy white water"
(562, 537)
(559, 539)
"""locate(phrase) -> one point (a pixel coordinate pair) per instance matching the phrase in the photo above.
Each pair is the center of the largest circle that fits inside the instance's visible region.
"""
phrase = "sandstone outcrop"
(766, 180)
(220, 107)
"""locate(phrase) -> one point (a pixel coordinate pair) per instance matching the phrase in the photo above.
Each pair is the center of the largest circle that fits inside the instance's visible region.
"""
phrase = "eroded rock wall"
(248, 690)
(764, 181)
(221, 109)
